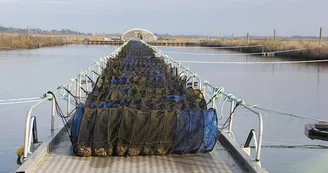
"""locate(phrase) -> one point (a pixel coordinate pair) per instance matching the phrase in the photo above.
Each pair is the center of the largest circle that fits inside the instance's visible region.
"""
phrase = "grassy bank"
(23, 41)
(311, 47)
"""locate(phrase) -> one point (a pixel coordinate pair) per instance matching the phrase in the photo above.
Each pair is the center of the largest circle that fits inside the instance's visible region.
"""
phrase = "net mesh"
(139, 106)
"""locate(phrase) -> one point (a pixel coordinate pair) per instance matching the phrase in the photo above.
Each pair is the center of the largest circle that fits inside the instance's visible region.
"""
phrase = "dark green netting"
(140, 106)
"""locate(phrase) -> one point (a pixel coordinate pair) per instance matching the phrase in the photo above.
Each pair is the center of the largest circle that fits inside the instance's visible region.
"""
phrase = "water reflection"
(286, 87)
(292, 88)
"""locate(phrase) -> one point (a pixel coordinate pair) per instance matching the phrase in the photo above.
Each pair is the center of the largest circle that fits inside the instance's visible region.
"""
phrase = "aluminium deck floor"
(62, 159)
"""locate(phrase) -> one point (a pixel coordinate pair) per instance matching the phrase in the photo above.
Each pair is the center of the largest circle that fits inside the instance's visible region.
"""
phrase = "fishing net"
(140, 106)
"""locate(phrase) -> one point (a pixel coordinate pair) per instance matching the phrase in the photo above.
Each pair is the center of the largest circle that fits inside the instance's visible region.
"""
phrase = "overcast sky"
(258, 17)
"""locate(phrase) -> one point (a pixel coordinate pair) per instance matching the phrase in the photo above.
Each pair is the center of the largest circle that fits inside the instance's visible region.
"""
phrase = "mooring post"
(263, 51)
(77, 33)
(28, 33)
(274, 37)
(248, 38)
(66, 35)
(320, 37)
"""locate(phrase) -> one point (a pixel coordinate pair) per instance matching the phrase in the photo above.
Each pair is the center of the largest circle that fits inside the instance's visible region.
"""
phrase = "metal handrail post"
(259, 139)
(30, 138)
(204, 88)
(86, 81)
(77, 88)
(53, 111)
(231, 115)
(93, 74)
(80, 89)
(69, 98)
(254, 136)
(179, 70)
(213, 100)
(27, 125)
(98, 67)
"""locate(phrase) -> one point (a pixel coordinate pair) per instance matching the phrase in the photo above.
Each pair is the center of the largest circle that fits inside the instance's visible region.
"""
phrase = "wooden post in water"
(77, 33)
(274, 37)
(28, 33)
(320, 37)
(248, 41)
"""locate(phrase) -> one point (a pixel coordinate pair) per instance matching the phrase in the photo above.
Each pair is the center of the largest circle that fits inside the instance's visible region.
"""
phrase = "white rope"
(215, 54)
(19, 102)
(216, 47)
(259, 62)
(20, 99)
(239, 54)
(287, 114)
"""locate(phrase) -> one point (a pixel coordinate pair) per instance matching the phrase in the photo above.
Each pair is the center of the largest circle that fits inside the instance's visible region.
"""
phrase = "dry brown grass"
(23, 41)
(312, 49)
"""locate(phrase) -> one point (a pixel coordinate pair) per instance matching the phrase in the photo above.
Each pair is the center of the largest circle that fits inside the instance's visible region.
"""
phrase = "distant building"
(139, 33)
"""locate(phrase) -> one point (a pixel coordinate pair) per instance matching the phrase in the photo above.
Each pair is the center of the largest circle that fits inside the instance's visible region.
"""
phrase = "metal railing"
(214, 93)
(208, 90)
(34, 134)
(70, 87)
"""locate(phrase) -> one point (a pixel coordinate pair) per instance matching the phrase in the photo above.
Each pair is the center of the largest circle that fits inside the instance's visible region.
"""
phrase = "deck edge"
(235, 149)
(225, 139)
(38, 155)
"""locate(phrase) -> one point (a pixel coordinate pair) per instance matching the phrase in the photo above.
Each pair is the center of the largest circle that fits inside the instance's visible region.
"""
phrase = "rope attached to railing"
(259, 62)
(287, 114)
(20, 100)
(216, 47)
(60, 113)
(240, 54)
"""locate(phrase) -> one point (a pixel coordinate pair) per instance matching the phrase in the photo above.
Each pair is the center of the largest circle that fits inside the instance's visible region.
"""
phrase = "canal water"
(293, 88)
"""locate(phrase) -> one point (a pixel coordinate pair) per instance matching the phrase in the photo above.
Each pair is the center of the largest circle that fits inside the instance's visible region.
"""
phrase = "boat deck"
(55, 154)
(62, 159)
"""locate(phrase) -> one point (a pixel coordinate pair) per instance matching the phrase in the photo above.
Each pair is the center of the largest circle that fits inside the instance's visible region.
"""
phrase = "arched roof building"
(137, 33)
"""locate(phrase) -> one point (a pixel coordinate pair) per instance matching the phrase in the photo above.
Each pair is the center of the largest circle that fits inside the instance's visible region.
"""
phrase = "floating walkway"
(62, 150)
(155, 43)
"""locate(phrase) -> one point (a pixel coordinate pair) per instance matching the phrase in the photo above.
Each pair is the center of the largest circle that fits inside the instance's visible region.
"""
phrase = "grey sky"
(258, 17)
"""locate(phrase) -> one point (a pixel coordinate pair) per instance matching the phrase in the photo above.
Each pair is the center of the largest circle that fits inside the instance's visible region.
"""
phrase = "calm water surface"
(294, 88)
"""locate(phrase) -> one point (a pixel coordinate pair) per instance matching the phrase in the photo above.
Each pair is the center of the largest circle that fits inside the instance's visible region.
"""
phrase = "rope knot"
(240, 102)
(60, 87)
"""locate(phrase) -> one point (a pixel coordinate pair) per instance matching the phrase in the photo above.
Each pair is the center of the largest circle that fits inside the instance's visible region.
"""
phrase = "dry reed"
(24, 41)
(310, 48)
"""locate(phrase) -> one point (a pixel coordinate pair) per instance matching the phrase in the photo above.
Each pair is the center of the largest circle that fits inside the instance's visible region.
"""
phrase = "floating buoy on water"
(20, 152)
